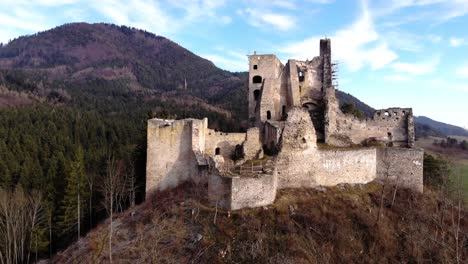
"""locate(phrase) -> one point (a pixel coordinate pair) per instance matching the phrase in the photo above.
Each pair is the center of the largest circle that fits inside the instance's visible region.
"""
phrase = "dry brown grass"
(337, 225)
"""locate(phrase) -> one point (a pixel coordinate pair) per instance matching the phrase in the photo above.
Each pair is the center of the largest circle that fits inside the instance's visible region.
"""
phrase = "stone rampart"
(170, 158)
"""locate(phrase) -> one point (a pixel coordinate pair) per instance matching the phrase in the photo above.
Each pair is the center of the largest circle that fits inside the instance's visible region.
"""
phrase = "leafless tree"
(90, 179)
(115, 190)
(387, 165)
(20, 214)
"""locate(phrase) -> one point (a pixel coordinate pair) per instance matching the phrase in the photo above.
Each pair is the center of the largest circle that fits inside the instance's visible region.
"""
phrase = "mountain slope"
(303, 226)
(446, 129)
(77, 54)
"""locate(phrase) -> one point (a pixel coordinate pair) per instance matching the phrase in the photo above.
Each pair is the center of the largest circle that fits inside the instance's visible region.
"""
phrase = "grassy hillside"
(330, 225)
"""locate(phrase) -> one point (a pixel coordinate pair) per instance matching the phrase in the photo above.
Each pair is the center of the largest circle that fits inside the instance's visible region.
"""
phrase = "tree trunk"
(78, 220)
(110, 232)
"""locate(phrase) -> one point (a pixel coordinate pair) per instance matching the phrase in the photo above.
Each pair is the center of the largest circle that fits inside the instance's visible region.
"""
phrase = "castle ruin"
(298, 137)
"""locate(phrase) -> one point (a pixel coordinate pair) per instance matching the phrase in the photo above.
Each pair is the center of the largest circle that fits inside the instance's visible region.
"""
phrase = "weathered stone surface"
(403, 166)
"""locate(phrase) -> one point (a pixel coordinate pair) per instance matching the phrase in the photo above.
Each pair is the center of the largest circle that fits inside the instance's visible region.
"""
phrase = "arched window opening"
(255, 67)
(283, 112)
(268, 115)
(301, 76)
(257, 95)
(217, 151)
(257, 79)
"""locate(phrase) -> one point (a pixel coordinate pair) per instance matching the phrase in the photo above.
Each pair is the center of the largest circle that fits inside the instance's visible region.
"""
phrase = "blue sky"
(408, 53)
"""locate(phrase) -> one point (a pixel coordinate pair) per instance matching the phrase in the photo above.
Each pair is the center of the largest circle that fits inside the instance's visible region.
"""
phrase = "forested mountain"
(76, 61)
(445, 129)
(76, 98)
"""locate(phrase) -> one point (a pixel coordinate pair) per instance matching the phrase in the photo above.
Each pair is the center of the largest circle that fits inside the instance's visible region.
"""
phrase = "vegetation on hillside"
(351, 109)
(326, 225)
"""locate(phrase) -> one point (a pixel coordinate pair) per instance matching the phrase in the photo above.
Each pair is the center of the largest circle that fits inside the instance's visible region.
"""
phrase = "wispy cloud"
(462, 71)
(228, 61)
(419, 68)
(159, 16)
(397, 78)
(443, 10)
(457, 42)
(356, 46)
(266, 19)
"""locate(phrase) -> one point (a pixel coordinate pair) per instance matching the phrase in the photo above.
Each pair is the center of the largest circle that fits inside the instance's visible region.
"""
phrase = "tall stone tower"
(325, 54)
(261, 67)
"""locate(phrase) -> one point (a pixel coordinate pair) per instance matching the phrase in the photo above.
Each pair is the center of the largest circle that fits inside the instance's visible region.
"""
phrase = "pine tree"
(76, 193)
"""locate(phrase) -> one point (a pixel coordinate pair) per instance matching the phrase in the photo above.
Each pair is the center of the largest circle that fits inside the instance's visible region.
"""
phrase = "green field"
(459, 178)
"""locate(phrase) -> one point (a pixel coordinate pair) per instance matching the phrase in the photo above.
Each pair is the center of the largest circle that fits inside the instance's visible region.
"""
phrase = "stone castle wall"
(301, 164)
(392, 125)
(226, 142)
(403, 166)
(170, 157)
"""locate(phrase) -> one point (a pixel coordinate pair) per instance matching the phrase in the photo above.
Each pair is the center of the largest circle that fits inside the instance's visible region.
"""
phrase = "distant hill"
(77, 56)
(92, 65)
(348, 98)
(446, 129)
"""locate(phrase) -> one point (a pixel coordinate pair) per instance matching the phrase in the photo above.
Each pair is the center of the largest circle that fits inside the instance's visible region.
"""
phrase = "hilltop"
(74, 62)
(325, 225)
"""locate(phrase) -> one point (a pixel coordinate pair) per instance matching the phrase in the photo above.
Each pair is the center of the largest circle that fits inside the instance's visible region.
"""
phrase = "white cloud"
(442, 10)
(403, 40)
(232, 63)
(265, 19)
(434, 38)
(397, 78)
(444, 84)
(456, 42)
(356, 46)
(30, 16)
(420, 68)
(285, 4)
(462, 71)
(225, 19)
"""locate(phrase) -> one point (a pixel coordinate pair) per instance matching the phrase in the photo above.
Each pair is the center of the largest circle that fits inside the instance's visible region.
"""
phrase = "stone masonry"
(298, 137)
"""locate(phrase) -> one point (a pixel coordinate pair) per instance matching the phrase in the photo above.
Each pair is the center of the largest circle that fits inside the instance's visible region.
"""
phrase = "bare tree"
(90, 179)
(115, 190)
(20, 214)
(386, 170)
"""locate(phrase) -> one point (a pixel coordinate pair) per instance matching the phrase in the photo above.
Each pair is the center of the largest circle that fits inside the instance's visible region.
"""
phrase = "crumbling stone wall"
(170, 158)
(233, 193)
(251, 146)
(298, 151)
(354, 166)
(404, 166)
(226, 142)
(392, 126)
(301, 164)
